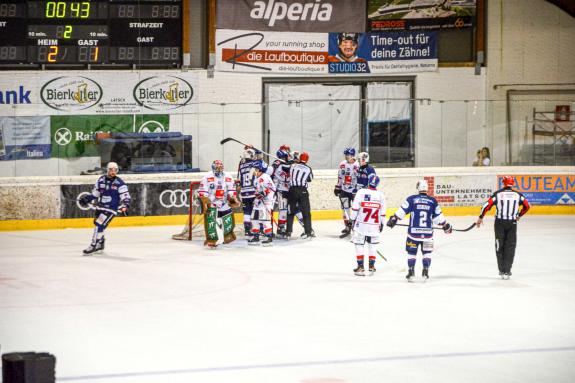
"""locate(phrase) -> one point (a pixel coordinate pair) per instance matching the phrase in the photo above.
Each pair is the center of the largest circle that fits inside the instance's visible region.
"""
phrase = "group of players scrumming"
(363, 207)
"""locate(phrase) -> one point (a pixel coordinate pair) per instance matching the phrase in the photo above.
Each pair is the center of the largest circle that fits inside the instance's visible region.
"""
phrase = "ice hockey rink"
(150, 309)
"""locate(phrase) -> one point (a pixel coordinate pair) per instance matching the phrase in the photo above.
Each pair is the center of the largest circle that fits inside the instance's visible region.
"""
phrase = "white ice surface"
(151, 309)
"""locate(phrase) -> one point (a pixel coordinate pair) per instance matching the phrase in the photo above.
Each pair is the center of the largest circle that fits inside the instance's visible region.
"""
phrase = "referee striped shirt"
(300, 174)
(507, 203)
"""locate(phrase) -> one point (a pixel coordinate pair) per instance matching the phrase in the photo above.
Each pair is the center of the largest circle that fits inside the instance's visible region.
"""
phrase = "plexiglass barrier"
(394, 132)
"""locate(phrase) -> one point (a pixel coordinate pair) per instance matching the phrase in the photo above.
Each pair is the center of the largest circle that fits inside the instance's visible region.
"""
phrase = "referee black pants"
(505, 243)
(298, 196)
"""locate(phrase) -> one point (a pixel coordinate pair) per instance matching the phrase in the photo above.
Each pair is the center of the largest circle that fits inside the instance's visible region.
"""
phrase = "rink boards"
(28, 203)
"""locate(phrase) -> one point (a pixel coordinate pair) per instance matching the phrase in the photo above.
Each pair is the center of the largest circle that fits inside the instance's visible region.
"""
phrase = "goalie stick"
(440, 228)
(244, 144)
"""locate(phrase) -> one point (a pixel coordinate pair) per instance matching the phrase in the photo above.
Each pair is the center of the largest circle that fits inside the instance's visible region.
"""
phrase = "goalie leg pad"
(211, 226)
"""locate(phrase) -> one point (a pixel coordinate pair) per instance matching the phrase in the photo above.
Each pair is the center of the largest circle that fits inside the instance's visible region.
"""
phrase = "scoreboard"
(132, 32)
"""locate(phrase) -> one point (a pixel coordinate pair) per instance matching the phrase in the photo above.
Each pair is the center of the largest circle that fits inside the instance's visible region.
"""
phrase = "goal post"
(194, 221)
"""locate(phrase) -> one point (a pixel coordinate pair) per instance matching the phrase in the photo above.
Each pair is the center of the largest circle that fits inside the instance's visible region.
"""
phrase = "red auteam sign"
(292, 15)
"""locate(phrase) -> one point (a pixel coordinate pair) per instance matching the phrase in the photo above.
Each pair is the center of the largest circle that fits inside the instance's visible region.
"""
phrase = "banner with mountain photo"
(385, 15)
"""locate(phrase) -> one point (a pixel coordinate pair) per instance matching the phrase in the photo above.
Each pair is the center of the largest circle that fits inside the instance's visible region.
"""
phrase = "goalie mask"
(217, 167)
(112, 169)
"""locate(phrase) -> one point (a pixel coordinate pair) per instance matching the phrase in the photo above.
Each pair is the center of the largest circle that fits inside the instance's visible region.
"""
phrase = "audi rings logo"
(175, 198)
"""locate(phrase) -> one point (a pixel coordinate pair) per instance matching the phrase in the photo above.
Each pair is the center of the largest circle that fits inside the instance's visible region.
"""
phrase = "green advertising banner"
(74, 136)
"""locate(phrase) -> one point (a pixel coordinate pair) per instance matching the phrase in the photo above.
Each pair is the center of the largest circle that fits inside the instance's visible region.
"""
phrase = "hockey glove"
(85, 200)
(337, 190)
(392, 221)
(447, 228)
(381, 227)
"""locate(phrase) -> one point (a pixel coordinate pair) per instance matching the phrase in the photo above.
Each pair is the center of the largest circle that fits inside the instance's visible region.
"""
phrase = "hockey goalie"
(218, 196)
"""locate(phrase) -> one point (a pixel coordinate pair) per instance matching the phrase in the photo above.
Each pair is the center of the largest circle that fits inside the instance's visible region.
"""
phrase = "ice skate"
(410, 274)
(90, 249)
(359, 271)
(307, 236)
(507, 276)
(371, 270)
(425, 273)
(254, 241)
(100, 244)
(268, 241)
(281, 234)
(345, 232)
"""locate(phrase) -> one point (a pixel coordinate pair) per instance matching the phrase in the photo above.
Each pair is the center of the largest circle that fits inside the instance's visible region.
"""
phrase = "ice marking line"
(315, 363)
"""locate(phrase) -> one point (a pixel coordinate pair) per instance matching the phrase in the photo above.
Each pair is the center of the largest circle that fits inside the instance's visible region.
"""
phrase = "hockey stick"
(381, 255)
(244, 144)
(440, 228)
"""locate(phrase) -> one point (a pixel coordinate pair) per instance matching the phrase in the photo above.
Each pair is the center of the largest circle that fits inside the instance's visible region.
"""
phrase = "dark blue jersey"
(246, 177)
(363, 176)
(424, 211)
(111, 192)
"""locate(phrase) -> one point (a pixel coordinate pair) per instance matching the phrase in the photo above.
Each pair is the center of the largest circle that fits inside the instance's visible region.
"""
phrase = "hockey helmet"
(354, 37)
(112, 166)
(373, 181)
(217, 167)
(249, 154)
(363, 158)
(259, 154)
(282, 154)
(304, 158)
(259, 166)
(422, 186)
(349, 152)
(285, 148)
(508, 181)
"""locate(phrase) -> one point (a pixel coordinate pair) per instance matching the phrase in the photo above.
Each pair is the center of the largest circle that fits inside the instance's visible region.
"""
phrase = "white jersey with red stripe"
(266, 186)
(368, 211)
(218, 189)
(281, 175)
(347, 176)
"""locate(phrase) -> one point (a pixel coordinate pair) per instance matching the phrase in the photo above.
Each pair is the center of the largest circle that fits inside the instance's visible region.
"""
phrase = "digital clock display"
(134, 32)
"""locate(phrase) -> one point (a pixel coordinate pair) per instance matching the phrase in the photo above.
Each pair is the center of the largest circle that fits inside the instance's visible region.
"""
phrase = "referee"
(507, 202)
(298, 197)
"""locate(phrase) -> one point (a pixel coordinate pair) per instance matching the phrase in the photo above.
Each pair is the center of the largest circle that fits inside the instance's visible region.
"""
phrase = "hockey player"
(425, 211)
(365, 170)
(110, 196)
(263, 206)
(247, 190)
(217, 190)
(281, 180)
(367, 217)
(347, 186)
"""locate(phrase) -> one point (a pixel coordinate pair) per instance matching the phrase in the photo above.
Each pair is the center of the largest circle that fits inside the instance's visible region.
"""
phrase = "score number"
(60, 10)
